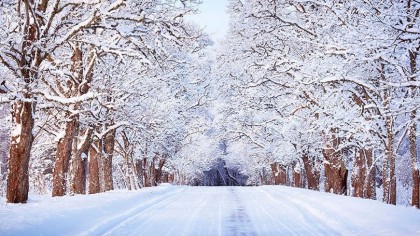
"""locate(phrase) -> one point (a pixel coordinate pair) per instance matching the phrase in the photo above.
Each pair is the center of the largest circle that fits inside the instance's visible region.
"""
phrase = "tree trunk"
(139, 172)
(389, 178)
(171, 178)
(369, 188)
(359, 174)
(109, 141)
(127, 173)
(79, 179)
(297, 178)
(145, 174)
(391, 158)
(280, 174)
(335, 169)
(385, 180)
(65, 143)
(133, 174)
(62, 158)
(94, 156)
(159, 170)
(311, 171)
(78, 183)
(415, 201)
(413, 156)
(275, 173)
(152, 173)
(22, 115)
(20, 149)
(336, 177)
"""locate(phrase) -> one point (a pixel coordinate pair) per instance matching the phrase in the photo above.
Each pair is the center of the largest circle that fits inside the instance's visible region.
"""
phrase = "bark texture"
(80, 146)
(20, 149)
(415, 196)
(94, 156)
(22, 115)
(363, 175)
(279, 173)
(389, 178)
(62, 158)
(146, 178)
(334, 167)
(312, 171)
(297, 177)
(391, 160)
(152, 171)
(109, 142)
(139, 172)
(158, 172)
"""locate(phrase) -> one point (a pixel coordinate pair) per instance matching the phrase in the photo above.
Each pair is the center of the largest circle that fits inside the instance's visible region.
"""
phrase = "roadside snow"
(181, 210)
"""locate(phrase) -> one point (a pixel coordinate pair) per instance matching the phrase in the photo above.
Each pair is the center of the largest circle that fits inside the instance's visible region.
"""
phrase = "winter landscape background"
(121, 95)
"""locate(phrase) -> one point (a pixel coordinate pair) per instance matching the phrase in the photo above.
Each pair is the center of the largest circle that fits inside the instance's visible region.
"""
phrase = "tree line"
(90, 80)
(324, 94)
(124, 94)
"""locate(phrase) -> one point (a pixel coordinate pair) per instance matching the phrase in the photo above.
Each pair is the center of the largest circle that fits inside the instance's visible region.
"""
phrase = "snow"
(115, 5)
(79, 27)
(72, 100)
(182, 210)
(17, 130)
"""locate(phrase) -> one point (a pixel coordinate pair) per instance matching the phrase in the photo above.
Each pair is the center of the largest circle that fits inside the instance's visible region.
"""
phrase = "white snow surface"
(183, 210)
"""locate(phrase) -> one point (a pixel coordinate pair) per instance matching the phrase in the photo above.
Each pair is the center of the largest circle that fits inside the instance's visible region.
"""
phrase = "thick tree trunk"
(275, 173)
(280, 174)
(335, 169)
(79, 179)
(22, 115)
(336, 177)
(297, 177)
(359, 174)
(109, 141)
(20, 149)
(312, 172)
(80, 146)
(159, 170)
(94, 156)
(62, 158)
(369, 188)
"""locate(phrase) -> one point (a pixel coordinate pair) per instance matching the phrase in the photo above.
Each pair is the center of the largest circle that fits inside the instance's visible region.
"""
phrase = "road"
(182, 210)
(267, 210)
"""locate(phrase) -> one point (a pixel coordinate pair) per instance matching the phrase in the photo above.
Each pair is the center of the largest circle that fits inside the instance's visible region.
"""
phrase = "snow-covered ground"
(182, 210)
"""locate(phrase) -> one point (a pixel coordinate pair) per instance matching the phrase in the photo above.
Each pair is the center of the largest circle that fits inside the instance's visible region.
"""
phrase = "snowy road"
(179, 210)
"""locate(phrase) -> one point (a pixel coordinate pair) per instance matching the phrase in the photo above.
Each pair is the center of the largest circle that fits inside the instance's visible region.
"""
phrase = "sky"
(213, 18)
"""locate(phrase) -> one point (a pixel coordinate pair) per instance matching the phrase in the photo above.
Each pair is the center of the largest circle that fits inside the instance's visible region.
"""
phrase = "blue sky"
(213, 18)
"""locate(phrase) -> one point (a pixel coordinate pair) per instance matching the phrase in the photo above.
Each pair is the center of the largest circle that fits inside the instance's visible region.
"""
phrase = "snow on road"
(182, 210)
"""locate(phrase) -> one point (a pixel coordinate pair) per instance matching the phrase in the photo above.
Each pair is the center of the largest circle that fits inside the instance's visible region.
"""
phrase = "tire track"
(323, 223)
(263, 227)
(108, 225)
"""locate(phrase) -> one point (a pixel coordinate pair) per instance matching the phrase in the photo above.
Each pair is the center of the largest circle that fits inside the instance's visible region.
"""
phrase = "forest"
(97, 95)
